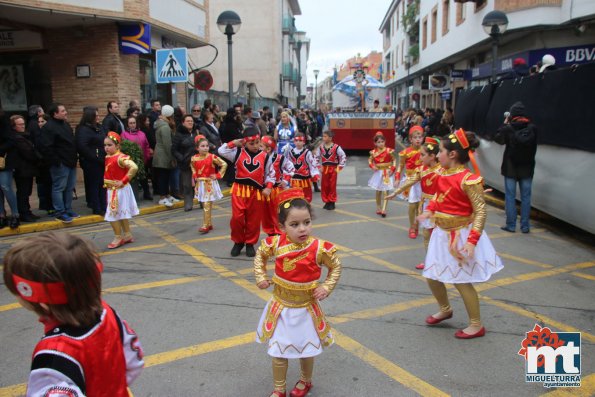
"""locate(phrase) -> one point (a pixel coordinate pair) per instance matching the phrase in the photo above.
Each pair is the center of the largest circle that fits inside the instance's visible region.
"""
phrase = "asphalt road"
(195, 307)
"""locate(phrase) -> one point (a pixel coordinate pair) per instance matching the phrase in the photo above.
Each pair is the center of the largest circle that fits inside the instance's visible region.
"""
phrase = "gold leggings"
(121, 226)
(280, 371)
(207, 208)
(413, 209)
(468, 293)
(380, 201)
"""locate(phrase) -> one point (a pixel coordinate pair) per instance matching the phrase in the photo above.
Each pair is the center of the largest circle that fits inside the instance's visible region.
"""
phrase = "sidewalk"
(79, 205)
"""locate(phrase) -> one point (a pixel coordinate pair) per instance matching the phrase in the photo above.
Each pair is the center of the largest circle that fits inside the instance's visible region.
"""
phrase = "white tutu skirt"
(427, 223)
(414, 191)
(126, 206)
(442, 266)
(204, 193)
(295, 335)
(377, 181)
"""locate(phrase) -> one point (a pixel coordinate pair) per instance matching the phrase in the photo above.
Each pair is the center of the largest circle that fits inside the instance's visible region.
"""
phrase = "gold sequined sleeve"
(410, 181)
(402, 161)
(328, 257)
(474, 190)
(219, 162)
(125, 162)
(371, 159)
(264, 252)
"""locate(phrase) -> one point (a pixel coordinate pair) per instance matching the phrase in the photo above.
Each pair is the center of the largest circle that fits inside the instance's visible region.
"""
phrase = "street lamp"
(316, 71)
(298, 50)
(495, 24)
(229, 24)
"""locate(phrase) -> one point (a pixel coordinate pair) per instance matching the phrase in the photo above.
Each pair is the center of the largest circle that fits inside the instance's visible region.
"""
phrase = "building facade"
(73, 52)
(431, 41)
(269, 54)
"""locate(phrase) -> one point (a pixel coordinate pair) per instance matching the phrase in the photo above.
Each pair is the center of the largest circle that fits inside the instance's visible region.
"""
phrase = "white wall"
(110, 5)
(181, 14)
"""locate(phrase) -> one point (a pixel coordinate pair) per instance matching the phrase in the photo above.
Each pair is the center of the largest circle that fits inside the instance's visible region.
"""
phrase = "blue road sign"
(171, 65)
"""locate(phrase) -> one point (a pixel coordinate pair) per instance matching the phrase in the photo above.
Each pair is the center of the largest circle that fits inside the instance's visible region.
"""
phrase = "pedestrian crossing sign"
(171, 65)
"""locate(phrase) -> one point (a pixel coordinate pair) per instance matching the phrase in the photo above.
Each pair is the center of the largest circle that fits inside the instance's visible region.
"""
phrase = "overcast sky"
(338, 30)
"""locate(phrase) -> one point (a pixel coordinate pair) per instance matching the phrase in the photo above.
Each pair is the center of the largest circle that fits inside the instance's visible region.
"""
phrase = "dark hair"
(377, 137)
(33, 110)
(59, 257)
(434, 151)
(109, 105)
(205, 115)
(152, 101)
(299, 135)
(54, 108)
(207, 103)
(330, 133)
(296, 203)
(140, 121)
(131, 110)
(89, 115)
(462, 154)
(132, 117)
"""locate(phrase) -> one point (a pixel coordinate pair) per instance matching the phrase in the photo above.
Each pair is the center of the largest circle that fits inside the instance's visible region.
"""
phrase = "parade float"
(353, 125)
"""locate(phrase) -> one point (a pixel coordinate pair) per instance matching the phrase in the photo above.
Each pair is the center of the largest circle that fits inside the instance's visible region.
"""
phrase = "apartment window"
(479, 4)
(461, 10)
(434, 23)
(424, 33)
(402, 51)
(445, 16)
(398, 19)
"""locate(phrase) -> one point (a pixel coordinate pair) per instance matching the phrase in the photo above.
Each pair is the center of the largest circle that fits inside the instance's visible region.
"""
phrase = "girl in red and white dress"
(409, 160)
(425, 175)
(293, 323)
(121, 204)
(382, 160)
(283, 172)
(305, 165)
(87, 349)
(206, 169)
(460, 251)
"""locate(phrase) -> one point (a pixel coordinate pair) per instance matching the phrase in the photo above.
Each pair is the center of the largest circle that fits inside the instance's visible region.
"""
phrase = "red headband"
(114, 137)
(288, 195)
(459, 136)
(267, 140)
(251, 138)
(431, 141)
(378, 133)
(38, 292)
(416, 128)
(299, 139)
(198, 138)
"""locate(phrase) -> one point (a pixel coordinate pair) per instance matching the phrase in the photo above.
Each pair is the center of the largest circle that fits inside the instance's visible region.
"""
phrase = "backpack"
(524, 136)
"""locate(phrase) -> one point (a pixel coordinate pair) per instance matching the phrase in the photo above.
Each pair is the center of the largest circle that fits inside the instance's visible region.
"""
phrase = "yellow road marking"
(155, 284)
(387, 367)
(584, 275)
(10, 306)
(538, 317)
(587, 389)
(393, 249)
(131, 249)
(381, 311)
(523, 260)
(14, 390)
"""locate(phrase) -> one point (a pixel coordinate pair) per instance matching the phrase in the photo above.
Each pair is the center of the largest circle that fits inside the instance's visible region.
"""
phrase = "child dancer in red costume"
(305, 165)
(332, 158)
(254, 180)
(425, 174)
(460, 251)
(121, 204)
(382, 160)
(293, 323)
(87, 349)
(409, 160)
(283, 172)
(206, 169)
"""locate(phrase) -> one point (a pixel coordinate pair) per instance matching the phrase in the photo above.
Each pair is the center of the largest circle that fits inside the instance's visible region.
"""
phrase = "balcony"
(287, 71)
(288, 26)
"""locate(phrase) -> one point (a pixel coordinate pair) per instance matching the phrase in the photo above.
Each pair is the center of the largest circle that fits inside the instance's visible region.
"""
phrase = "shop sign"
(135, 38)
(11, 40)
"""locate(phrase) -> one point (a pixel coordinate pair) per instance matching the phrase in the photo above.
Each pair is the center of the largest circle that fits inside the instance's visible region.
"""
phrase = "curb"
(86, 220)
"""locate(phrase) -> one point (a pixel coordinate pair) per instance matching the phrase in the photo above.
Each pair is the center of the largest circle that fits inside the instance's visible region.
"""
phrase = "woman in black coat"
(89, 138)
(182, 149)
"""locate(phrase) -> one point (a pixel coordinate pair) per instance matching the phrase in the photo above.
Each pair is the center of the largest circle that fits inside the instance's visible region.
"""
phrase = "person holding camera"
(518, 163)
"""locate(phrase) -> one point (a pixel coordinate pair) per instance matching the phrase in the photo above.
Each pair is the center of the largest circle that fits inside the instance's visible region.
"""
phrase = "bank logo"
(552, 358)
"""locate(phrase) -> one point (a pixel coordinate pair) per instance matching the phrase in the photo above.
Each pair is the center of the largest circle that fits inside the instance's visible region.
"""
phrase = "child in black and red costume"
(332, 158)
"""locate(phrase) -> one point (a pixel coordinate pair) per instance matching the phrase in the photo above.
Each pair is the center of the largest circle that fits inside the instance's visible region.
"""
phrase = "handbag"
(2, 162)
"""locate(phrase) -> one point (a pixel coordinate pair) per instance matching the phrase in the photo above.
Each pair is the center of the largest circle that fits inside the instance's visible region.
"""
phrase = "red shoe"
(421, 266)
(413, 233)
(462, 335)
(128, 240)
(431, 320)
(115, 244)
(301, 392)
(378, 212)
(276, 393)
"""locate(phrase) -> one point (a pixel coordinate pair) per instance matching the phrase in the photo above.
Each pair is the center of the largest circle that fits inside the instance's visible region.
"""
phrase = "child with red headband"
(87, 349)
(409, 160)
(121, 204)
(332, 158)
(460, 251)
(283, 172)
(305, 164)
(293, 324)
(425, 175)
(382, 160)
(254, 180)
(206, 169)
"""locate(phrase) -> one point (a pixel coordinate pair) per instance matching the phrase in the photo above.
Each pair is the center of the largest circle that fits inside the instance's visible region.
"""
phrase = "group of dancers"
(58, 276)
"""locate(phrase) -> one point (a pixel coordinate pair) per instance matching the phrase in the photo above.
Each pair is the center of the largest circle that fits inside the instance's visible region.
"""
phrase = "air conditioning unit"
(439, 82)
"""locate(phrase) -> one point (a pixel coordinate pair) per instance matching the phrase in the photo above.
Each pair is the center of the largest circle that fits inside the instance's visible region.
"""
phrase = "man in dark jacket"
(57, 146)
(182, 149)
(518, 163)
(112, 121)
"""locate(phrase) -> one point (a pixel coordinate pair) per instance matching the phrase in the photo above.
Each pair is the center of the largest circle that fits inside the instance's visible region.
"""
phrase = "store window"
(149, 89)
